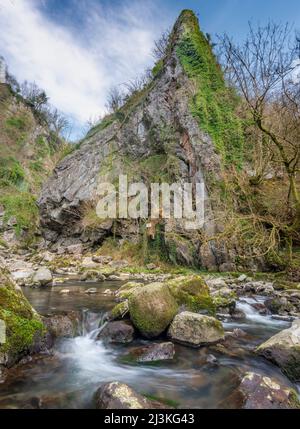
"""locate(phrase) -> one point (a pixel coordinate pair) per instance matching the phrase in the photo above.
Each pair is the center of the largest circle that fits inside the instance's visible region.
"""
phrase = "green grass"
(17, 122)
(11, 172)
(212, 104)
(22, 206)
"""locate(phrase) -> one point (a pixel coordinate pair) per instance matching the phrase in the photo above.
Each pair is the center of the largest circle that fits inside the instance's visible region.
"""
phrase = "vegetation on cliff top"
(212, 103)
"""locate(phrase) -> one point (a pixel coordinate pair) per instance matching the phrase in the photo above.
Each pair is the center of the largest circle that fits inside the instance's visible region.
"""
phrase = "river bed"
(78, 366)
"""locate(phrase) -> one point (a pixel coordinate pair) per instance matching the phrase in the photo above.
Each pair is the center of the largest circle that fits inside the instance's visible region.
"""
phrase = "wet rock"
(92, 275)
(283, 349)
(238, 315)
(119, 332)
(242, 278)
(64, 291)
(119, 396)
(153, 353)
(114, 278)
(278, 305)
(42, 277)
(259, 392)
(91, 291)
(63, 325)
(259, 287)
(152, 308)
(283, 318)
(195, 329)
(211, 359)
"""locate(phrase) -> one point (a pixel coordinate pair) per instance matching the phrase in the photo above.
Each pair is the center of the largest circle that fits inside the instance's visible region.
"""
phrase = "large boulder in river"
(195, 329)
(152, 308)
(193, 293)
(259, 392)
(117, 332)
(119, 396)
(283, 349)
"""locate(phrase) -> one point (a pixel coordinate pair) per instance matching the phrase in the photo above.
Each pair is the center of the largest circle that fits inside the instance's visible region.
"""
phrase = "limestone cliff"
(180, 127)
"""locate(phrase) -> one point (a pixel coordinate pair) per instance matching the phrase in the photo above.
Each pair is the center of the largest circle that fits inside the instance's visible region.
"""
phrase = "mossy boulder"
(24, 328)
(127, 290)
(195, 329)
(193, 293)
(152, 308)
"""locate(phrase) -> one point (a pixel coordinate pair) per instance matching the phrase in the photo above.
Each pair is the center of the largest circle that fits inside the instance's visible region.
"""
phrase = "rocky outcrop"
(195, 329)
(154, 129)
(283, 349)
(152, 308)
(259, 392)
(119, 396)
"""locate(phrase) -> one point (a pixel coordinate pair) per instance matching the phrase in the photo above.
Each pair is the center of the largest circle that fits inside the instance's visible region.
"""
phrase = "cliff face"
(175, 130)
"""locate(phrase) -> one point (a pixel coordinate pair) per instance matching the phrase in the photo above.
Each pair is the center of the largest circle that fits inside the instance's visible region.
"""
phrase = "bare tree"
(115, 99)
(264, 69)
(56, 121)
(161, 45)
(35, 96)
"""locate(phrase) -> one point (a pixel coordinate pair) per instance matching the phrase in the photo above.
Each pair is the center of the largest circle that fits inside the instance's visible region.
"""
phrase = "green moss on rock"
(213, 104)
(152, 308)
(23, 326)
(193, 293)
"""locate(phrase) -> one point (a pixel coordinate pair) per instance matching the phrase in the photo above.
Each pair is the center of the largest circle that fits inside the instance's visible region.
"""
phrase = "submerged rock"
(195, 329)
(259, 392)
(92, 275)
(152, 308)
(117, 332)
(115, 395)
(153, 353)
(283, 349)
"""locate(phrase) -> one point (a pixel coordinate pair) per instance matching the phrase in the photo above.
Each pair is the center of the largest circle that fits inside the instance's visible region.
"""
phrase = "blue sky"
(77, 49)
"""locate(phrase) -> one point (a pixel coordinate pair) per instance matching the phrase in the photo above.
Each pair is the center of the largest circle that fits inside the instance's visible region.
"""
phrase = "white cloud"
(76, 66)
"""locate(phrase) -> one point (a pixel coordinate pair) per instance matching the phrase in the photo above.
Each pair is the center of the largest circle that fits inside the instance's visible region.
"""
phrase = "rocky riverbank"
(166, 308)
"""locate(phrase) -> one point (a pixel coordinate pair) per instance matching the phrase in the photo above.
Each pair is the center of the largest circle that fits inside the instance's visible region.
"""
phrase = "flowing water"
(69, 377)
